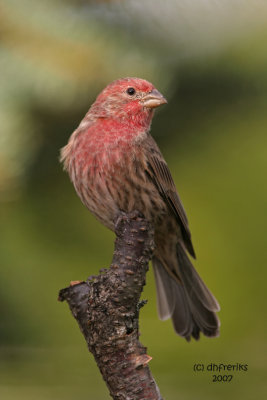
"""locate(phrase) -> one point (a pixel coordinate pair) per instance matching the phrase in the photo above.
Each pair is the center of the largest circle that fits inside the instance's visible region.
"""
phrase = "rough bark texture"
(107, 306)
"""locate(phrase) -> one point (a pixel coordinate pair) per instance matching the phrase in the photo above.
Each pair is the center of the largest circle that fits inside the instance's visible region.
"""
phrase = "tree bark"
(107, 306)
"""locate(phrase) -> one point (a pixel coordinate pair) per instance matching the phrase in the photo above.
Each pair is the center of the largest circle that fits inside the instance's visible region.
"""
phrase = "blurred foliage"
(210, 60)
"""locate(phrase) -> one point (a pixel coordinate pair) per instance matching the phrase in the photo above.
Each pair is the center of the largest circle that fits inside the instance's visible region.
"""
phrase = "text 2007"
(222, 378)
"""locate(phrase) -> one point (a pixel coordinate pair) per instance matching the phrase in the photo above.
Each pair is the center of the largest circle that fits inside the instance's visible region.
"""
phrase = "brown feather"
(159, 173)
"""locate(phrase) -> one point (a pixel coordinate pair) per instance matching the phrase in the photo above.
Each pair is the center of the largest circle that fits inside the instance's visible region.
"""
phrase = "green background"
(210, 60)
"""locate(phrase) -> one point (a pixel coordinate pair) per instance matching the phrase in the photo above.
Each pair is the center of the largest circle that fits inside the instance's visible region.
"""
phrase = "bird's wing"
(159, 173)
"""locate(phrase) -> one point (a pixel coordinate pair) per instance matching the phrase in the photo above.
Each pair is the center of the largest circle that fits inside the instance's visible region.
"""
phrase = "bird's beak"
(153, 99)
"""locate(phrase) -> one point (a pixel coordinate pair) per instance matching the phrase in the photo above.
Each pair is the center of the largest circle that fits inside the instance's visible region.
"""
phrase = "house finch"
(115, 165)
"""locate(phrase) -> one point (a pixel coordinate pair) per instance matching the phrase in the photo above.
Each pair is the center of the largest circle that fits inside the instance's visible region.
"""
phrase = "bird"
(116, 166)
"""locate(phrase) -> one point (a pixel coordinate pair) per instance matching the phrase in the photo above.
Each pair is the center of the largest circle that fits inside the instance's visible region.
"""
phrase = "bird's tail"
(184, 297)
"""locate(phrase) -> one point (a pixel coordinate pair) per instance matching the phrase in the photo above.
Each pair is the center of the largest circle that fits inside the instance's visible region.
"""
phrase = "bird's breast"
(111, 177)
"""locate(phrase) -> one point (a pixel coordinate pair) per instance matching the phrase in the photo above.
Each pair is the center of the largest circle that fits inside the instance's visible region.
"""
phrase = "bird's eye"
(131, 91)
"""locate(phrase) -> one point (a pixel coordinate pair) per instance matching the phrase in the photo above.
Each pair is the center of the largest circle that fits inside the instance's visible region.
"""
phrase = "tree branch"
(107, 306)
